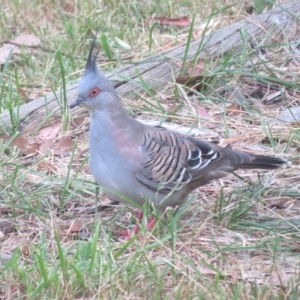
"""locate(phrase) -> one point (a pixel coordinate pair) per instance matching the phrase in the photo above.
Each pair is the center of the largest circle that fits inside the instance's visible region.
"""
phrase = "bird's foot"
(127, 234)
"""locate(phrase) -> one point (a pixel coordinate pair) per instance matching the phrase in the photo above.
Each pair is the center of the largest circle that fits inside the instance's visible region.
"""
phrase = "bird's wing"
(170, 160)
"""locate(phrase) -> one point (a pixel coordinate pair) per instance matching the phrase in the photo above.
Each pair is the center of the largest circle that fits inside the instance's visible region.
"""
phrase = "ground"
(236, 238)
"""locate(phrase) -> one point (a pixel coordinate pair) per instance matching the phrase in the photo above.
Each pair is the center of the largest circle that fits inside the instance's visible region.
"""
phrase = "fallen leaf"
(173, 107)
(5, 51)
(279, 202)
(76, 227)
(64, 146)
(196, 69)
(86, 170)
(48, 133)
(25, 249)
(4, 210)
(193, 76)
(15, 243)
(6, 226)
(79, 121)
(22, 40)
(46, 146)
(49, 15)
(235, 95)
(234, 110)
(183, 21)
(27, 40)
(282, 278)
(207, 271)
(203, 113)
(259, 93)
(19, 142)
(22, 144)
(76, 231)
(22, 93)
(34, 95)
(289, 115)
(187, 80)
(31, 149)
(297, 203)
(69, 8)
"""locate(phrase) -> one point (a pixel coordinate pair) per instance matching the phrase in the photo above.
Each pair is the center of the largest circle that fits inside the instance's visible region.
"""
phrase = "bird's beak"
(77, 101)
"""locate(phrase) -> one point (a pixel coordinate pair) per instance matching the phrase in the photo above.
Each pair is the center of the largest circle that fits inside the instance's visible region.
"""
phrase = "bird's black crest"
(91, 64)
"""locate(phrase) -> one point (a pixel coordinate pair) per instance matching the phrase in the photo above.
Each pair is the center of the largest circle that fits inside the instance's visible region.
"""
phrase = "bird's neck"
(110, 125)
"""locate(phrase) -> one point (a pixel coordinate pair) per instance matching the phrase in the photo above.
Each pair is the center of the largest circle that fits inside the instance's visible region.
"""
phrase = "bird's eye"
(94, 92)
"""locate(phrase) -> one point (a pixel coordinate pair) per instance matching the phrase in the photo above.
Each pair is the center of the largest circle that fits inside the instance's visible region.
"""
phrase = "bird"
(135, 163)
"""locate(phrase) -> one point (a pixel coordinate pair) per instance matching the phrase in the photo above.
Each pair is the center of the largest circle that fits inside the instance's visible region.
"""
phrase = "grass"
(237, 238)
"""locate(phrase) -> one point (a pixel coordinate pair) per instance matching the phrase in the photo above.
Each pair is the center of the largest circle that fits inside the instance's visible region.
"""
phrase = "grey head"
(95, 91)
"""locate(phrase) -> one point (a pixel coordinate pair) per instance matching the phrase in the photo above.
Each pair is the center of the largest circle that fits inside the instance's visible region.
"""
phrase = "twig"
(65, 54)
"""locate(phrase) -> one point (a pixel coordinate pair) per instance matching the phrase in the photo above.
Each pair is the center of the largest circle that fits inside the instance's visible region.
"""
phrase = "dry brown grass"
(237, 239)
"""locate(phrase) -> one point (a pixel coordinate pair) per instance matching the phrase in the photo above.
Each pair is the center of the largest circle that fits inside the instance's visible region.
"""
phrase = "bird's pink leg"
(151, 223)
(126, 234)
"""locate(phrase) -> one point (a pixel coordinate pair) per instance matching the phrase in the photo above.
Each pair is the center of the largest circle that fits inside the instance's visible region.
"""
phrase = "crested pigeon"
(135, 163)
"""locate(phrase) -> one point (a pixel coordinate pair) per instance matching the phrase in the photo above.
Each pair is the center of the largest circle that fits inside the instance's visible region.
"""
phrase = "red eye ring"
(94, 92)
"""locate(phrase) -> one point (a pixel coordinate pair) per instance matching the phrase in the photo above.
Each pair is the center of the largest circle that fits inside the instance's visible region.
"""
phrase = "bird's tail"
(263, 162)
